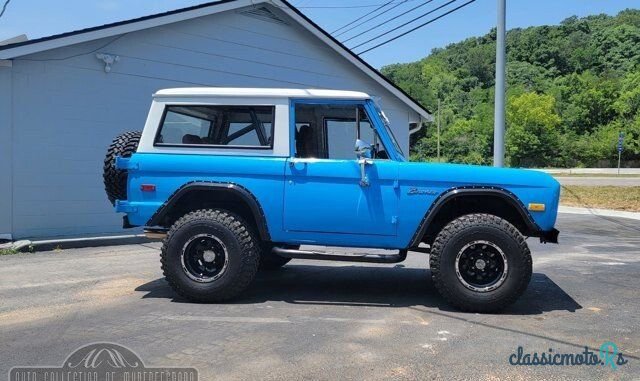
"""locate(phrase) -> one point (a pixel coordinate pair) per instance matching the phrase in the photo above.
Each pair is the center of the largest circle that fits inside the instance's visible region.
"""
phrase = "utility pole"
(438, 130)
(500, 109)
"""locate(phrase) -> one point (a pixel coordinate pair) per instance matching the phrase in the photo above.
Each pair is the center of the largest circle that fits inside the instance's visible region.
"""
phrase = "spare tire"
(115, 180)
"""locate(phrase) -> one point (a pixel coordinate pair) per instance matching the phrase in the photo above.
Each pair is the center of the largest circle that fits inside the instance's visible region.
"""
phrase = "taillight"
(148, 187)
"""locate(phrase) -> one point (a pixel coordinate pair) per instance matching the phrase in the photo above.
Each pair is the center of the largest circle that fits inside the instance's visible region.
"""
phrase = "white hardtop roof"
(258, 92)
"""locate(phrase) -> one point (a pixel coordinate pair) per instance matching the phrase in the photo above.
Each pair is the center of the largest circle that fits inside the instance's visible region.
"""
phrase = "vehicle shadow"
(370, 286)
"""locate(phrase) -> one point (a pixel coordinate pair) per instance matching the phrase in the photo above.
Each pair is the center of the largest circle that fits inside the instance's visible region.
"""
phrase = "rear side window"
(217, 126)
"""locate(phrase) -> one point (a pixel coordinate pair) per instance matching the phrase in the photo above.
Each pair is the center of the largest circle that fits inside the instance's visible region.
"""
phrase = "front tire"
(210, 256)
(480, 263)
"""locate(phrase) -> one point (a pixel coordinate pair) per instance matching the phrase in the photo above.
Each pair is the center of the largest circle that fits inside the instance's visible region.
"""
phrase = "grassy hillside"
(571, 89)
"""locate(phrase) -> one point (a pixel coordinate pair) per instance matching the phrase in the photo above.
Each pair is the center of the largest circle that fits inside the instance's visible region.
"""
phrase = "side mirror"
(363, 149)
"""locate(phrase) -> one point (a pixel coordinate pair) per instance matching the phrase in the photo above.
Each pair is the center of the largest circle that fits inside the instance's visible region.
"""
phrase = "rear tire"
(210, 256)
(480, 263)
(115, 180)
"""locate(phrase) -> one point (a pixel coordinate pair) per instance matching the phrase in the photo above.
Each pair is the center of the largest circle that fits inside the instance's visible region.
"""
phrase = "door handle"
(364, 179)
(294, 162)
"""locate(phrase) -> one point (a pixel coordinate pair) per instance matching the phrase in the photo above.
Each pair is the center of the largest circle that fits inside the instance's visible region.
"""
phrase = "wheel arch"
(203, 195)
(460, 201)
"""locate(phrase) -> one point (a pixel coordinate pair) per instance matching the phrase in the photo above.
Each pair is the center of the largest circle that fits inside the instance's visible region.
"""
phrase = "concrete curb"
(74, 243)
(599, 212)
(17, 245)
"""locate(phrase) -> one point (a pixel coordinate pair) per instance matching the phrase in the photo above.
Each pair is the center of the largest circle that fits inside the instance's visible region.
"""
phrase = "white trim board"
(128, 27)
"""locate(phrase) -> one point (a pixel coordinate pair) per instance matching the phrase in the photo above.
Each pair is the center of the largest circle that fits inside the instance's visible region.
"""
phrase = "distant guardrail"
(591, 171)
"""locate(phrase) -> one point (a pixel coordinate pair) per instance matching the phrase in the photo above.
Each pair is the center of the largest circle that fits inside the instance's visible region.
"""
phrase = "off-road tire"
(270, 261)
(243, 255)
(469, 228)
(115, 180)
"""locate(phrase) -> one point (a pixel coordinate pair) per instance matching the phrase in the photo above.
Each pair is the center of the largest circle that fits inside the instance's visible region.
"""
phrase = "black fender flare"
(532, 228)
(236, 189)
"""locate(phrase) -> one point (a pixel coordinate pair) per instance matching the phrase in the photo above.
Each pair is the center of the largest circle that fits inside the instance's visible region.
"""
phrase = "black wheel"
(210, 256)
(480, 263)
(115, 180)
(271, 261)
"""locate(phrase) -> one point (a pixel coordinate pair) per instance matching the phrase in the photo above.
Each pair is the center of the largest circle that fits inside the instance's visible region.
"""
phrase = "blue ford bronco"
(235, 180)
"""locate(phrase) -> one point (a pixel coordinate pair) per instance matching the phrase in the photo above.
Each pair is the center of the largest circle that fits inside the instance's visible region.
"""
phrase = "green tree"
(585, 101)
(628, 104)
(617, 48)
(468, 142)
(532, 132)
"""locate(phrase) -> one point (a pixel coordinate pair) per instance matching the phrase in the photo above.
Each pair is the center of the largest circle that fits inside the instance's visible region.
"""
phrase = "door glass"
(341, 135)
(330, 131)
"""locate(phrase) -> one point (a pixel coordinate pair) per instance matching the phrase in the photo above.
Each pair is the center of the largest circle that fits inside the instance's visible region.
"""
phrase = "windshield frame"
(387, 127)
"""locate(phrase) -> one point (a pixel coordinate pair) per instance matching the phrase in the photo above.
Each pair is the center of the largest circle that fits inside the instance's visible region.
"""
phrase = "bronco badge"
(421, 192)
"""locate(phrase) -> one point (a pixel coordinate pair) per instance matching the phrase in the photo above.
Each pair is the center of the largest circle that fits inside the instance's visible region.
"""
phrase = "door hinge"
(396, 184)
(394, 220)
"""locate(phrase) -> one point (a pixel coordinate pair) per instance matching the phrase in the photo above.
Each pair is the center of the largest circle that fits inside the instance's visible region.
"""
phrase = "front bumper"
(550, 236)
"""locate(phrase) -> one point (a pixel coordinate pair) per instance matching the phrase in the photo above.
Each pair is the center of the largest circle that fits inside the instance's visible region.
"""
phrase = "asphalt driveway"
(325, 320)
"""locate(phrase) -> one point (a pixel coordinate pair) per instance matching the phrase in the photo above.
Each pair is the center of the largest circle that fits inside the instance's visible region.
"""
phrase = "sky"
(38, 18)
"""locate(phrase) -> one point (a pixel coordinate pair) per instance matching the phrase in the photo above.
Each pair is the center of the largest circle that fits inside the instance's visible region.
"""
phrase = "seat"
(305, 143)
(191, 139)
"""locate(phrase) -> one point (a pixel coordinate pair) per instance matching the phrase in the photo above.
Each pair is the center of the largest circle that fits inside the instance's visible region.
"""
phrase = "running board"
(322, 256)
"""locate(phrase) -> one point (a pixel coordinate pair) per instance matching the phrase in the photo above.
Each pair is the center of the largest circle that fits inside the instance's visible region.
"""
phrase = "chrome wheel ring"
(481, 266)
(204, 258)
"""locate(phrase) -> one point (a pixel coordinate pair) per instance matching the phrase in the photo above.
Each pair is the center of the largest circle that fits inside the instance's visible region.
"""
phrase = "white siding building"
(64, 98)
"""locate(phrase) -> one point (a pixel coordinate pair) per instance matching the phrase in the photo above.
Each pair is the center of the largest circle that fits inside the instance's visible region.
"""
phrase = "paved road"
(322, 320)
(600, 181)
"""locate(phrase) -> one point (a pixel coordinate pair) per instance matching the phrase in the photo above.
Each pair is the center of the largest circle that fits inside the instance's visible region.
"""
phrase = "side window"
(184, 127)
(227, 126)
(330, 132)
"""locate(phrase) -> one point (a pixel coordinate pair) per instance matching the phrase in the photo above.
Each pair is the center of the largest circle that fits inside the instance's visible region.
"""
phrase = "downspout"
(419, 125)
(416, 129)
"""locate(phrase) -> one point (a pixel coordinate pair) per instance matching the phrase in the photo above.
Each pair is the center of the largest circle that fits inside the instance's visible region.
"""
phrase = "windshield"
(387, 127)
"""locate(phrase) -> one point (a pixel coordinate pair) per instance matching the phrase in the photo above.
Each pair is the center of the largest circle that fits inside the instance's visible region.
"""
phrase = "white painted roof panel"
(259, 92)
